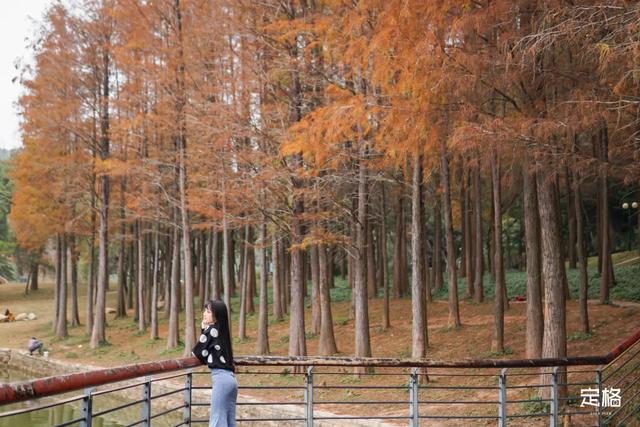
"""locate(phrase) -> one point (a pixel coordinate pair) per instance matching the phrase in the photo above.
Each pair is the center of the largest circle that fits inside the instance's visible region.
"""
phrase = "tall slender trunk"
(397, 250)
(571, 220)
(91, 279)
(327, 345)
(386, 321)
(61, 327)
(497, 344)
(468, 241)
(173, 337)
(98, 335)
(437, 241)
(554, 342)
(142, 324)
(189, 336)
(370, 260)
(315, 290)
(581, 253)
(419, 337)
(605, 276)
(73, 252)
(262, 344)
(534, 284)
(56, 289)
(154, 284)
(275, 281)
(362, 339)
(217, 261)
(454, 313)
(478, 280)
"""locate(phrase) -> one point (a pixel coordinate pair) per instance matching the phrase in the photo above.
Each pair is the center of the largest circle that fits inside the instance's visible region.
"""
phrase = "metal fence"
(304, 391)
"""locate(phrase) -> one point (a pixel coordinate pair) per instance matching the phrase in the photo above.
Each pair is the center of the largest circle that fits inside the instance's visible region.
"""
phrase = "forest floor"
(610, 325)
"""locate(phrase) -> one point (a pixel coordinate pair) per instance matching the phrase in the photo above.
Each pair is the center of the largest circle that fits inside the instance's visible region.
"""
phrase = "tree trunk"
(243, 280)
(154, 285)
(419, 337)
(275, 281)
(297, 339)
(217, 261)
(497, 345)
(370, 260)
(478, 280)
(315, 290)
(142, 325)
(61, 326)
(91, 280)
(362, 340)
(454, 314)
(397, 250)
(74, 253)
(554, 343)
(56, 289)
(581, 253)
(327, 345)
(35, 268)
(534, 285)
(98, 335)
(468, 245)
(605, 282)
(386, 321)
(571, 219)
(262, 344)
(173, 337)
(437, 240)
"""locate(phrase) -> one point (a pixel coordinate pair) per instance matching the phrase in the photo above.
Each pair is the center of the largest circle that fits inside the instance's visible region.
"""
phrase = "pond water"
(61, 413)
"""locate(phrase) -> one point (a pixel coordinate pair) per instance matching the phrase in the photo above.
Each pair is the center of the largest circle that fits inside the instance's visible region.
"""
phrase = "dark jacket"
(211, 351)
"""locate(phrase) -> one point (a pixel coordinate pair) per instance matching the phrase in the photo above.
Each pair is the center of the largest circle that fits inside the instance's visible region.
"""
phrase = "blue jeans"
(224, 392)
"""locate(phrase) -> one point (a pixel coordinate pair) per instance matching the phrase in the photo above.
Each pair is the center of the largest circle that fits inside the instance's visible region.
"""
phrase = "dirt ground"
(610, 324)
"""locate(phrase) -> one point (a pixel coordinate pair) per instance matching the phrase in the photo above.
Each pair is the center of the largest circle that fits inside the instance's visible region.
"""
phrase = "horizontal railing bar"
(165, 412)
(267, 387)
(528, 400)
(41, 407)
(112, 390)
(587, 383)
(338, 402)
(360, 387)
(261, 419)
(117, 408)
(529, 386)
(134, 424)
(536, 415)
(185, 422)
(68, 423)
(158, 396)
(368, 417)
(461, 417)
(471, 387)
(461, 402)
(270, 403)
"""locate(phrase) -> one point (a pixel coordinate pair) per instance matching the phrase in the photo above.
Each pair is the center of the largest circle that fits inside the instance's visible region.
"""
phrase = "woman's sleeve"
(201, 349)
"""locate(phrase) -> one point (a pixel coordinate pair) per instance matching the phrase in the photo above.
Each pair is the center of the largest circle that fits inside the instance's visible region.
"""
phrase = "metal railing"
(405, 391)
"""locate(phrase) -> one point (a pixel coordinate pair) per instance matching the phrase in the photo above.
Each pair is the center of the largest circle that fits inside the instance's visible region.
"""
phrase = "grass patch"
(579, 336)
(71, 355)
(490, 354)
(536, 407)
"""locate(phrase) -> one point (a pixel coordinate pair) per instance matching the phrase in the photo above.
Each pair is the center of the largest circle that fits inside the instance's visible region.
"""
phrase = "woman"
(214, 350)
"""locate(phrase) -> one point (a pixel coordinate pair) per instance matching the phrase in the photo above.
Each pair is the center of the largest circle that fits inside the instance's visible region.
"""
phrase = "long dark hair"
(219, 309)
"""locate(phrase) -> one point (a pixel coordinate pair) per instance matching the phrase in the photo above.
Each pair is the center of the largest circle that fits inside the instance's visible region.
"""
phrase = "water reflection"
(62, 413)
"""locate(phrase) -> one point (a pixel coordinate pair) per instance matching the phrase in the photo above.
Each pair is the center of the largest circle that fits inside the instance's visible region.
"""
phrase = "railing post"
(308, 398)
(146, 402)
(553, 419)
(186, 412)
(86, 408)
(413, 398)
(599, 385)
(502, 398)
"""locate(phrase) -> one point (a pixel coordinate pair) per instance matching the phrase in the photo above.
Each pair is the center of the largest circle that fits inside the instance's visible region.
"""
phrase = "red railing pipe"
(16, 392)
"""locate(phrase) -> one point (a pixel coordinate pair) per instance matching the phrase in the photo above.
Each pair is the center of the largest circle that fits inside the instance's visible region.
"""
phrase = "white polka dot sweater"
(210, 349)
